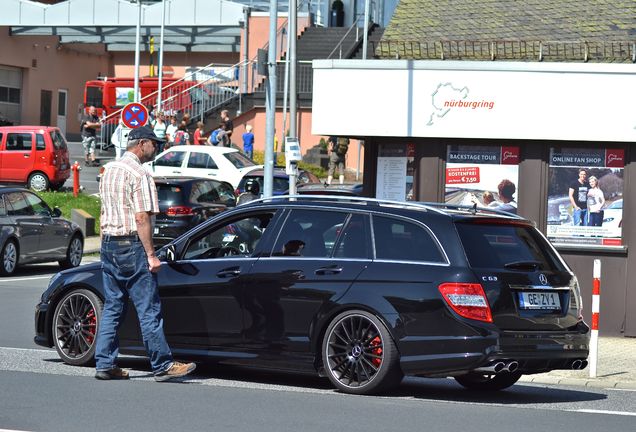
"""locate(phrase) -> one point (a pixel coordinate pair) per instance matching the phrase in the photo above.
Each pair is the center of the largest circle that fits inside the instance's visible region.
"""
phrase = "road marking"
(11, 430)
(18, 279)
(593, 411)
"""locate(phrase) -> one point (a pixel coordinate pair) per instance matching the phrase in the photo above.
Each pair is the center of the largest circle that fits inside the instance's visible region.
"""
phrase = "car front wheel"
(75, 327)
(359, 355)
(9, 256)
(73, 253)
(497, 382)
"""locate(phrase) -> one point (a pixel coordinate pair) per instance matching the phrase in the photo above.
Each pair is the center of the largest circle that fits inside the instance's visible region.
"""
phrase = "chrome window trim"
(539, 287)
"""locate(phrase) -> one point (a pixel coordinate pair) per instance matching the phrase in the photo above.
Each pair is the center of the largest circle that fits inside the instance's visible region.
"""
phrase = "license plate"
(539, 300)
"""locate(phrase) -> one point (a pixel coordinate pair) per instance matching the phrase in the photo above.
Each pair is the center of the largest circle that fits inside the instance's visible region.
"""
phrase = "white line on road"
(592, 411)
(11, 430)
(18, 279)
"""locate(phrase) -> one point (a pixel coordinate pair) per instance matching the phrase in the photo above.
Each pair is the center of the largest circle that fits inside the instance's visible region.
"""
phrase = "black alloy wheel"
(73, 253)
(500, 381)
(359, 354)
(75, 327)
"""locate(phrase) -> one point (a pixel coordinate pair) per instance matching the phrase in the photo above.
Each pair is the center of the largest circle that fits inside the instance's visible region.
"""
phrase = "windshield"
(94, 97)
(238, 160)
(500, 245)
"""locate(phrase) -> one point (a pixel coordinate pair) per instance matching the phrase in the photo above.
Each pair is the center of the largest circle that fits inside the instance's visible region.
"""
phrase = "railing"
(353, 26)
(304, 78)
(531, 50)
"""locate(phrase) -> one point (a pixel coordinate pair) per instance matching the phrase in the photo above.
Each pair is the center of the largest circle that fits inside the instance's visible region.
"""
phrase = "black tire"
(475, 381)
(38, 182)
(9, 258)
(56, 186)
(359, 354)
(74, 327)
(73, 253)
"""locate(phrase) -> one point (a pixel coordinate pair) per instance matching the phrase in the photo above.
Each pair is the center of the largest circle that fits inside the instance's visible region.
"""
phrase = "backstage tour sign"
(134, 115)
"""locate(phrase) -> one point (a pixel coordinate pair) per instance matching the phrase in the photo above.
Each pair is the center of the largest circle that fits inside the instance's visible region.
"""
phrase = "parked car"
(349, 189)
(280, 183)
(613, 214)
(35, 156)
(218, 163)
(360, 290)
(185, 202)
(32, 232)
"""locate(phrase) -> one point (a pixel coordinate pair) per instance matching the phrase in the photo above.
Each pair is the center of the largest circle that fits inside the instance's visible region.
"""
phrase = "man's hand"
(153, 263)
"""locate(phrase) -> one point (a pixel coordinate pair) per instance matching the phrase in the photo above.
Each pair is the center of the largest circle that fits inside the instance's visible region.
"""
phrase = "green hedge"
(259, 158)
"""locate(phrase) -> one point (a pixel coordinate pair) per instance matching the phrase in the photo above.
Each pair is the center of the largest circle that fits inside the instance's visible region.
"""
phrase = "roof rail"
(429, 206)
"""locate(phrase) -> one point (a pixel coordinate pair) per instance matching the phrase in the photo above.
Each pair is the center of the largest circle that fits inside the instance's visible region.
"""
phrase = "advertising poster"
(585, 196)
(485, 175)
(124, 95)
(395, 172)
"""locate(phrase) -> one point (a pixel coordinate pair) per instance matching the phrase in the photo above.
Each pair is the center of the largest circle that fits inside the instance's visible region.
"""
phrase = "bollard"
(596, 301)
(76, 183)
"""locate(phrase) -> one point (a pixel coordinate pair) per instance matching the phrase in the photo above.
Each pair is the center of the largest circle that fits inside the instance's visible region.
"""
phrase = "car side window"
(40, 144)
(309, 233)
(235, 238)
(400, 240)
(19, 142)
(354, 239)
(3, 206)
(201, 160)
(170, 159)
(39, 207)
(17, 205)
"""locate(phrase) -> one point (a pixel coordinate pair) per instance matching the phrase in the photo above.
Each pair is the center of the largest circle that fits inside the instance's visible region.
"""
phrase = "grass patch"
(66, 201)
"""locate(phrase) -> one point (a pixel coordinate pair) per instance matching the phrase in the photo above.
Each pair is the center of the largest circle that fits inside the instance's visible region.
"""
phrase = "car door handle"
(333, 269)
(176, 172)
(231, 272)
(26, 155)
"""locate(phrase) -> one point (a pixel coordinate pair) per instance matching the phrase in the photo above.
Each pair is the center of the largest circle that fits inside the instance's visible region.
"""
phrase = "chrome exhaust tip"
(576, 364)
(583, 364)
(492, 368)
(512, 366)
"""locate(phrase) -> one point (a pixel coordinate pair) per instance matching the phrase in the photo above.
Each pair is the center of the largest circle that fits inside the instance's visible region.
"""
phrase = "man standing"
(338, 147)
(229, 126)
(129, 199)
(90, 124)
(578, 198)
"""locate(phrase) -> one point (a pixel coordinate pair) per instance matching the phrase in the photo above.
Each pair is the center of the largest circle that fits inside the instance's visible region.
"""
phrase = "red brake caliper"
(377, 351)
(92, 325)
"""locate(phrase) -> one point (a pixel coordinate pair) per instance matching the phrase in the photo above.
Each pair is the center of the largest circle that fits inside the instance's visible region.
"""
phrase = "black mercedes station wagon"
(360, 290)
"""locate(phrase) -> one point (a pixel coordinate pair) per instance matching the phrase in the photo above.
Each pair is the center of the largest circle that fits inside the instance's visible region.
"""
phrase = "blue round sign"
(134, 115)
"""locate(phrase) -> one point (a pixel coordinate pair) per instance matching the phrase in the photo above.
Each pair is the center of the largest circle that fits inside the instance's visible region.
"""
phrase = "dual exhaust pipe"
(578, 364)
(499, 367)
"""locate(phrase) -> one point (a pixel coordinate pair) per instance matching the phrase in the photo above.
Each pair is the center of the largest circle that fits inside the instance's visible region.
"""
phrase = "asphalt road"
(88, 175)
(40, 393)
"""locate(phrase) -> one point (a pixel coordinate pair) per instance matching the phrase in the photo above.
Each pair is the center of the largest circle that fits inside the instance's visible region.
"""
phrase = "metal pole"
(365, 33)
(270, 101)
(293, 15)
(246, 57)
(137, 37)
(596, 303)
(160, 84)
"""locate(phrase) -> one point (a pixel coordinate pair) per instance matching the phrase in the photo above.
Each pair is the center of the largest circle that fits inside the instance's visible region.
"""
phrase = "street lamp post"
(137, 37)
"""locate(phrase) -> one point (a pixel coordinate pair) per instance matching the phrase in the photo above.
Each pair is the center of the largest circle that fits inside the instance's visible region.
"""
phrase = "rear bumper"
(536, 352)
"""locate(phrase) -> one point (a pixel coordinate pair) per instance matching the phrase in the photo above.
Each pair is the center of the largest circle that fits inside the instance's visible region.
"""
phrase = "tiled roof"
(567, 22)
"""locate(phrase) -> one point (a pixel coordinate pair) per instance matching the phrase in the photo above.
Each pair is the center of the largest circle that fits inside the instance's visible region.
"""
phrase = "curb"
(580, 382)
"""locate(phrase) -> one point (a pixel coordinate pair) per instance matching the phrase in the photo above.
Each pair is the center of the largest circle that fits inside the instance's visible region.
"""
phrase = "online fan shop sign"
(585, 197)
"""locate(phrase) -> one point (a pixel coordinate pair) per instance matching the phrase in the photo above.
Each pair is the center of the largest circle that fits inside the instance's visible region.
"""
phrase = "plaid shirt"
(126, 188)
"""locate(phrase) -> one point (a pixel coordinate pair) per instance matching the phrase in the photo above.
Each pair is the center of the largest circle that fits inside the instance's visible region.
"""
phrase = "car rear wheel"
(9, 256)
(38, 181)
(475, 381)
(75, 327)
(359, 355)
(73, 253)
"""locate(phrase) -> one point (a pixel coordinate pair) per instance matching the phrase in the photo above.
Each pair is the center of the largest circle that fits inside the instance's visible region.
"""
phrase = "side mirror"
(171, 253)
(56, 212)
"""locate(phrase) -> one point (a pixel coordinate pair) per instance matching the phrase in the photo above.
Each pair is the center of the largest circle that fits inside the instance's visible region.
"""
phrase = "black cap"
(144, 132)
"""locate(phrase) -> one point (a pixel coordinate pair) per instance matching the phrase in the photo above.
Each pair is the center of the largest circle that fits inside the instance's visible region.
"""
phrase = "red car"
(34, 155)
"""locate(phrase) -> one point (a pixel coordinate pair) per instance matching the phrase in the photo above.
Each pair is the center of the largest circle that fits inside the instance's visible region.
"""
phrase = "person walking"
(159, 129)
(248, 142)
(199, 135)
(129, 199)
(337, 153)
(171, 132)
(229, 126)
(90, 124)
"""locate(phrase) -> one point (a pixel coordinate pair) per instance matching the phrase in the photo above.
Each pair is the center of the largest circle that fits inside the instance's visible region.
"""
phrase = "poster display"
(395, 172)
(485, 175)
(585, 196)
(124, 95)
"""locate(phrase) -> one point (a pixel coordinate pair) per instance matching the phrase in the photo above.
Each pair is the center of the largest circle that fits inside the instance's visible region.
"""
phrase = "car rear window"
(400, 240)
(212, 192)
(58, 140)
(169, 194)
(239, 160)
(499, 246)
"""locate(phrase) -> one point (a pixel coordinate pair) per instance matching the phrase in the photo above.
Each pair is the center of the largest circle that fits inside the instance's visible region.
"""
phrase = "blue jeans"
(125, 273)
(578, 217)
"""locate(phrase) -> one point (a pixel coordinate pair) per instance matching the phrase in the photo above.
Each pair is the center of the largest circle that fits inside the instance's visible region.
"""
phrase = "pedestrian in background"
(159, 129)
(129, 199)
(88, 128)
(337, 152)
(229, 126)
(199, 138)
(248, 142)
(171, 132)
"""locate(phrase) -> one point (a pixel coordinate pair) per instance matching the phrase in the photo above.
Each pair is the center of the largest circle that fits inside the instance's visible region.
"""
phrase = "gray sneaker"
(177, 370)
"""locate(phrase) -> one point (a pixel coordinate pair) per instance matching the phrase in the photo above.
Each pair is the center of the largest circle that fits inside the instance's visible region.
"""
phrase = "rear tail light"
(467, 300)
(576, 301)
(179, 211)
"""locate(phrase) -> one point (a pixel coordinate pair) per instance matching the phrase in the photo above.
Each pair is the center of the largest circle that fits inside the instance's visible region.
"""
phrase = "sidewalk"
(616, 365)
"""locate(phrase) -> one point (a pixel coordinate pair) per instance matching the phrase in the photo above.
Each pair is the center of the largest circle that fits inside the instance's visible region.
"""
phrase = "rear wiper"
(523, 265)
